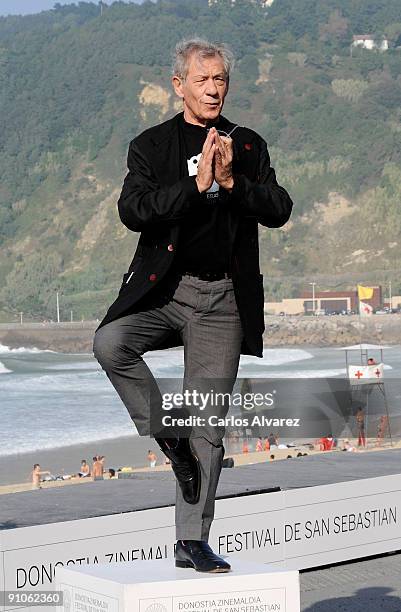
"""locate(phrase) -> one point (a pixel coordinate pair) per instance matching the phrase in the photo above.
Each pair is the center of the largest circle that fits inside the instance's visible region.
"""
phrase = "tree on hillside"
(336, 29)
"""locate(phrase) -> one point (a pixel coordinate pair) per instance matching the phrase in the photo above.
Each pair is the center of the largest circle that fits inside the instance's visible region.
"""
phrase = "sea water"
(51, 399)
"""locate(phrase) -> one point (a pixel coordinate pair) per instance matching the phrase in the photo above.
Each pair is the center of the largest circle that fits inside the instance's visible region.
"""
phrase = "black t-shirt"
(203, 243)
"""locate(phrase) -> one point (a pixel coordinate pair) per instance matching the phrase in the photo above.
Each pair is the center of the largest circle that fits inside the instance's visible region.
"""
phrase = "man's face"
(203, 90)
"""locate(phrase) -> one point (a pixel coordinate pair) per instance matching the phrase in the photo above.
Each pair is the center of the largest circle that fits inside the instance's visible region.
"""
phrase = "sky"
(27, 7)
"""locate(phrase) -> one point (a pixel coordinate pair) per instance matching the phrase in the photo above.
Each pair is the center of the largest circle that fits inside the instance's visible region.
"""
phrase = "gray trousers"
(206, 315)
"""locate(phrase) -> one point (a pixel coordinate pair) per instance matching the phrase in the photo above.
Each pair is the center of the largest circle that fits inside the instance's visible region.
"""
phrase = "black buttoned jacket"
(155, 197)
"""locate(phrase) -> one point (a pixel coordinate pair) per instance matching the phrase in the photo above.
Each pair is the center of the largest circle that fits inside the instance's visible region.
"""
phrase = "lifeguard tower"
(364, 367)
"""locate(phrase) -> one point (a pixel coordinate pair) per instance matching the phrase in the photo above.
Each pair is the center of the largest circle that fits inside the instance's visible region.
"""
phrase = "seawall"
(77, 337)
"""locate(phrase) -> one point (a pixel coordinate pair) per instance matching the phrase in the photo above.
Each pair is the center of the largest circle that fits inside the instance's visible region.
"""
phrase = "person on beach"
(347, 446)
(85, 471)
(152, 458)
(273, 441)
(197, 187)
(360, 421)
(97, 468)
(381, 430)
(36, 474)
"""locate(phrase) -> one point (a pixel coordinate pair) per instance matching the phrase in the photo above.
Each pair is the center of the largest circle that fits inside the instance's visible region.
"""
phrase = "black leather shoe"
(198, 555)
(185, 465)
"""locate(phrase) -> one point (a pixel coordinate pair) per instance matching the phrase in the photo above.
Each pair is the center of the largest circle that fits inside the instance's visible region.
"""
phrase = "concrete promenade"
(369, 585)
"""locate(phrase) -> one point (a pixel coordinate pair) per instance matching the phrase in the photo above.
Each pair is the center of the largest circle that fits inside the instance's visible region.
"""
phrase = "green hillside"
(77, 86)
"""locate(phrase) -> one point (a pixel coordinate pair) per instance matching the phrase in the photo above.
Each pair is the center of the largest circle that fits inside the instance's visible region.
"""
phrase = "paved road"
(372, 585)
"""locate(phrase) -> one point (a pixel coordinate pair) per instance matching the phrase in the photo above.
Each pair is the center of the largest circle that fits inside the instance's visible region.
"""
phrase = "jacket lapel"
(166, 152)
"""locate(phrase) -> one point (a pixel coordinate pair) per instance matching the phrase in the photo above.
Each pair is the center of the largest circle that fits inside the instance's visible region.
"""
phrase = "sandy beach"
(120, 452)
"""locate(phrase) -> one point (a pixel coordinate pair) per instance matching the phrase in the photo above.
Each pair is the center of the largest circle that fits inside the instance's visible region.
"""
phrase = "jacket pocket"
(127, 276)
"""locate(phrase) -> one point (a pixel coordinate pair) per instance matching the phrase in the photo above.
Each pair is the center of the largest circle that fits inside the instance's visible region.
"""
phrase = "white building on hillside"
(368, 42)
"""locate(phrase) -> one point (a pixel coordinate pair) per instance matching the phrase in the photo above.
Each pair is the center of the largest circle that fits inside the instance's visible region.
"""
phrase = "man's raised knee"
(104, 348)
(110, 348)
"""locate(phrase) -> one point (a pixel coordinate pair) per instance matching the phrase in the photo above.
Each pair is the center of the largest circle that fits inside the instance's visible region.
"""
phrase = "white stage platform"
(158, 586)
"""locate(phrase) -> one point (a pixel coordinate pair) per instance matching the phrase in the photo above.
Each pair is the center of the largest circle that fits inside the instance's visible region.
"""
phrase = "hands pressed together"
(215, 162)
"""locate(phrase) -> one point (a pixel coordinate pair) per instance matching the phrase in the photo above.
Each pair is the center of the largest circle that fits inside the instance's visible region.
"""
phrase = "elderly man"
(197, 187)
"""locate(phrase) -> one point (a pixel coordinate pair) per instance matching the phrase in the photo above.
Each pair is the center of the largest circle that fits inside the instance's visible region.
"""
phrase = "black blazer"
(155, 196)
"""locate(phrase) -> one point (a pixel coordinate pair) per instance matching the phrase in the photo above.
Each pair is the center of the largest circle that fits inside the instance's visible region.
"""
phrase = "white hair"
(203, 48)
